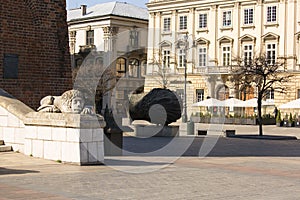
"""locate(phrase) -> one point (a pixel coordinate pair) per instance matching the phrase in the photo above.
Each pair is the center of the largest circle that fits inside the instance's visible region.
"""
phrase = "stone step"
(1, 142)
(4, 148)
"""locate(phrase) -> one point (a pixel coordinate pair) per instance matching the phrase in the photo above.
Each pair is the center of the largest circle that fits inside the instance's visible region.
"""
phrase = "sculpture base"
(156, 131)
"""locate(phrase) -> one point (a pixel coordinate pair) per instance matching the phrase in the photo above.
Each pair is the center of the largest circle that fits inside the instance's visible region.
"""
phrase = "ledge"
(67, 120)
(13, 105)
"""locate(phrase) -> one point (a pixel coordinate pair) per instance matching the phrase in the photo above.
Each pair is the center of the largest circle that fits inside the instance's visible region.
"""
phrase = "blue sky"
(77, 3)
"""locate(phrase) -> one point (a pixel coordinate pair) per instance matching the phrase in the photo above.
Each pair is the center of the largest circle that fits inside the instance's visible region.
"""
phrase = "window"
(167, 24)
(90, 37)
(133, 68)
(180, 93)
(181, 58)
(270, 95)
(227, 18)
(121, 67)
(10, 66)
(226, 54)
(298, 94)
(271, 13)
(248, 52)
(202, 56)
(271, 53)
(199, 95)
(143, 68)
(134, 38)
(182, 22)
(248, 16)
(166, 58)
(203, 20)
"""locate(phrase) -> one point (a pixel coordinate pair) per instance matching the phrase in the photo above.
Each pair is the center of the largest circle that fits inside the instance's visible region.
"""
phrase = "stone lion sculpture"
(71, 101)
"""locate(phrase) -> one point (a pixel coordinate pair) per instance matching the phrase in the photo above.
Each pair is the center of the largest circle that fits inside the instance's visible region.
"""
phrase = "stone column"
(72, 35)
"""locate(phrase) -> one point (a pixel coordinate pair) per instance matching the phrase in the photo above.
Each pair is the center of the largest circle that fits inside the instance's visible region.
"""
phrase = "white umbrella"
(208, 103)
(233, 102)
(253, 103)
(291, 104)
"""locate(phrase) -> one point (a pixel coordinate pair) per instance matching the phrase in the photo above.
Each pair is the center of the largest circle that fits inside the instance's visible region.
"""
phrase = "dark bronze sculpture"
(159, 106)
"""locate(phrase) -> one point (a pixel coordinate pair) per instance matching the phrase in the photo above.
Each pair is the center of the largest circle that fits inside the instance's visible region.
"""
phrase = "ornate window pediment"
(225, 39)
(247, 38)
(165, 43)
(270, 36)
(202, 41)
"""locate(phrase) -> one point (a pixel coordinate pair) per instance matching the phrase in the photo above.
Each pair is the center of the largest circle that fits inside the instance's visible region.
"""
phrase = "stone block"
(73, 135)
(92, 152)
(100, 147)
(19, 135)
(28, 147)
(59, 134)
(84, 152)
(31, 132)
(18, 147)
(9, 134)
(86, 135)
(3, 121)
(70, 152)
(44, 133)
(52, 150)
(1, 133)
(97, 135)
(13, 121)
(38, 148)
(3, 111)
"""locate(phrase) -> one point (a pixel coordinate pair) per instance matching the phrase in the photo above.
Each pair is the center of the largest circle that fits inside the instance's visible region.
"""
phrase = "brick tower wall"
(36, 32)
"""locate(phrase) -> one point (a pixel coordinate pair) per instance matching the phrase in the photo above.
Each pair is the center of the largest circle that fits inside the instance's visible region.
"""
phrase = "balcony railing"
(214, 70)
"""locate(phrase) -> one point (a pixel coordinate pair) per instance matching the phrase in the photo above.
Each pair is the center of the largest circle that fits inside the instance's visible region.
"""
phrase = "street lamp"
(184, 45)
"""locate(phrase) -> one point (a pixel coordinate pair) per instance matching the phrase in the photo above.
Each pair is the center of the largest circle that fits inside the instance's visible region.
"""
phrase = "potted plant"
(291, 121)
(286, 120)
(278, 119)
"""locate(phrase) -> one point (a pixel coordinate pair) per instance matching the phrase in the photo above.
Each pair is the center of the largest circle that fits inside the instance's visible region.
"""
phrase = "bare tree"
(161, 70)
(264, 74)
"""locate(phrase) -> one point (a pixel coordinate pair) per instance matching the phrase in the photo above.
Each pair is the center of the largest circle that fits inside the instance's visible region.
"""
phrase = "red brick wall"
(35, 30)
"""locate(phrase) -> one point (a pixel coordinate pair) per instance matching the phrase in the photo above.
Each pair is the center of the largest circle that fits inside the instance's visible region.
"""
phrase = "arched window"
(143, 68)
(133, 68)
(223, 92)
(121, 67)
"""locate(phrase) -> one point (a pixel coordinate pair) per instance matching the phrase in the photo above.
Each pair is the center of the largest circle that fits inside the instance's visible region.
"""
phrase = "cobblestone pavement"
(235, 169)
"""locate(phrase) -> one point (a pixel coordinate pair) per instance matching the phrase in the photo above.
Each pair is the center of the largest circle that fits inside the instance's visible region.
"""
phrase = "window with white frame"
(199, 95)
(134, 38)
(203, 20)
(202, 56)
(248, 16)
(271, 13)
(182, 22)
(181, 58)
(90, 37)
(227, 18)
(248, 53)
(226, 55)
(270, 95)
(271, 53)
(167, 24)
(166, 58)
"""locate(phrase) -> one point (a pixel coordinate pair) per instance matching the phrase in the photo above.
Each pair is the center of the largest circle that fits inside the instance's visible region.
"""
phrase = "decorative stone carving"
(159, 106)
(71, 101)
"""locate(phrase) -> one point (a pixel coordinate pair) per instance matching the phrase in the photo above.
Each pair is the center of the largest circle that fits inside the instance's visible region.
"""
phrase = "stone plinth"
(71, 138)
(156, 131)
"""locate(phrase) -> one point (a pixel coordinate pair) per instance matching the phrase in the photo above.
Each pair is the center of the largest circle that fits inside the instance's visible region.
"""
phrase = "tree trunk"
(259, 119)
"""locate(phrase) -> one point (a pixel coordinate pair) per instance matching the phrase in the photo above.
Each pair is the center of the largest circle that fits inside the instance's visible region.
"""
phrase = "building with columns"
(114, 33)
(212, 34)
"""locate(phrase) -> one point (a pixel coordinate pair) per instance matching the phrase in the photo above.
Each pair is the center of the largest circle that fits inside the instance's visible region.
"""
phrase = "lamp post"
(185, 44)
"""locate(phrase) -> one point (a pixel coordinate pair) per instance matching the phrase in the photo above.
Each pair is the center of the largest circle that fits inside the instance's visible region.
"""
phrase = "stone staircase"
(4, 148)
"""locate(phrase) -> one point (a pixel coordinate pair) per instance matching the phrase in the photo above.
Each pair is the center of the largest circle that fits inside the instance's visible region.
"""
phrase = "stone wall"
(35, 31)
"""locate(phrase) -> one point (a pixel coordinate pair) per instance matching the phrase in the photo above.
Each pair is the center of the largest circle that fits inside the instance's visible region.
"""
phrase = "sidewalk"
(234, 169)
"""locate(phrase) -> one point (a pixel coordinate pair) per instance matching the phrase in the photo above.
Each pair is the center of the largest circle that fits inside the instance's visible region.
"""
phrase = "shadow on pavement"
(224, 147)
(119, 162)
(6, 171)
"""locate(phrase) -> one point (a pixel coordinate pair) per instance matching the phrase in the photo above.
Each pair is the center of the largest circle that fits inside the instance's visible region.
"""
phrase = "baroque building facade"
(213, 34)
(113, 34)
